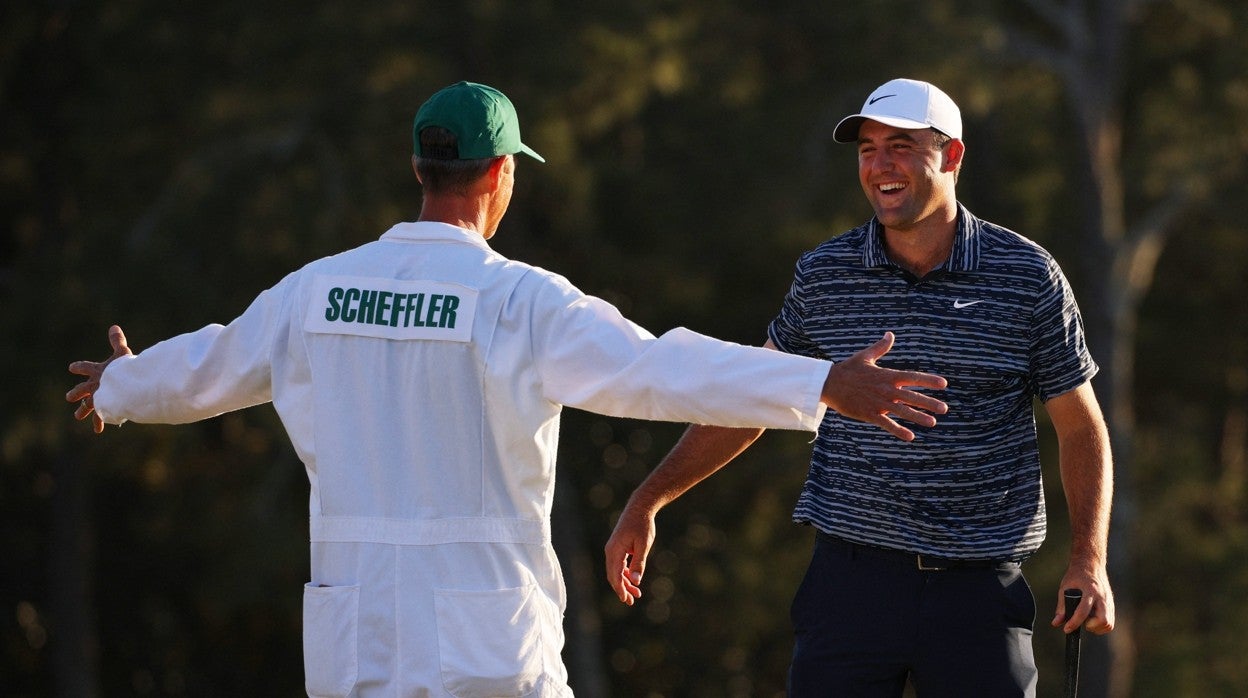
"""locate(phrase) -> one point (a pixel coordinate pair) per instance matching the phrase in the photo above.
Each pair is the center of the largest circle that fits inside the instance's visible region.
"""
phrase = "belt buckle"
(927, 568)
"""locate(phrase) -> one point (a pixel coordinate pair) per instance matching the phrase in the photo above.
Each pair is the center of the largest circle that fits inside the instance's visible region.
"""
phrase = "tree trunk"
(583, 651)
(1110, 661)
(1118, 269)
(73, 643)
(50, 72)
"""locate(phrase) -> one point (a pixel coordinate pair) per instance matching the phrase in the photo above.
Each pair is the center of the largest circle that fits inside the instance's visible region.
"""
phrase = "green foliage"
(160, 164)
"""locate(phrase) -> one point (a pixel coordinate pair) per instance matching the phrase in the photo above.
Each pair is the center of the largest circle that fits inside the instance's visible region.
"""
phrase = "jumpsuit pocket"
(490, 642)
(330, 632)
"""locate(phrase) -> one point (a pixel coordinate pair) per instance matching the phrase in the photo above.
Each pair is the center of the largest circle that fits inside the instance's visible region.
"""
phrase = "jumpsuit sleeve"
(199, 374)
(591, 357)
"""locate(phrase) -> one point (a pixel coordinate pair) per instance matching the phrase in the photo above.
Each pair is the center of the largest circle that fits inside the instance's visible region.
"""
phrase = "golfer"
(915, 573)
(420, 378)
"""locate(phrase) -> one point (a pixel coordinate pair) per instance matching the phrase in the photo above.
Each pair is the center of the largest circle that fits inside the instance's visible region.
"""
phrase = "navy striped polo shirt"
(999, 322)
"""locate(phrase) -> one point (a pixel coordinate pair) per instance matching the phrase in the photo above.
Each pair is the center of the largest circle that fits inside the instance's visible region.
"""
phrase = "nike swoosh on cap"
(876, 99)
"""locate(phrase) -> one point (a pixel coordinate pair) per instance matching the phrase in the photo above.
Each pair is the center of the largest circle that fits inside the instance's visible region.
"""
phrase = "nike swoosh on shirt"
(876, 99)
(960, 304)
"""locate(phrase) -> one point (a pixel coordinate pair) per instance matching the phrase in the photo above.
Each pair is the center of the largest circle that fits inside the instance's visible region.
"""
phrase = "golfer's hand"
(1096, 609)
(626, 552)
(859, 389)
(84, 392)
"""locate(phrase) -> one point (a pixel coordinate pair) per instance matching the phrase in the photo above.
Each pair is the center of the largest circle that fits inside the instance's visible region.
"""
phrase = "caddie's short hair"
(441, 170)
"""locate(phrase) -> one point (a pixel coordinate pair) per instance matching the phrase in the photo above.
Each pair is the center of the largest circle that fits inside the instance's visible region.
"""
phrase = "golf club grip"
(1073, 597)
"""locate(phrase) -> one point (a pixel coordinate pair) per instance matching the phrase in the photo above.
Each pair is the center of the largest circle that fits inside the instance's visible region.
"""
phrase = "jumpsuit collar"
(431, 231)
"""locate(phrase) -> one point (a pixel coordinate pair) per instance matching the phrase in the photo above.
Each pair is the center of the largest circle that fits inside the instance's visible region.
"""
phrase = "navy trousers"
(866, 620)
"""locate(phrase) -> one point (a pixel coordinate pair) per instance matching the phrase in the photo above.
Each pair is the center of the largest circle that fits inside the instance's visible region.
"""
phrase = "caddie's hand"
(626, 552)
(859, 389)
(84, 392)
(1096, 609)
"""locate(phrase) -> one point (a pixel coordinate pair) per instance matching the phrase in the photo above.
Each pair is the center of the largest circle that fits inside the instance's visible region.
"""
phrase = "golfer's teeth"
(892, 186)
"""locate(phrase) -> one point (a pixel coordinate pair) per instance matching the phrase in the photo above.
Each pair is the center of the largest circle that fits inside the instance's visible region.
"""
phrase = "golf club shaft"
(1073, 597)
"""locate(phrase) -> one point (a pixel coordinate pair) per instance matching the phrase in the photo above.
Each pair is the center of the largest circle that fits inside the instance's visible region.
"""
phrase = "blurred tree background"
(163, 162)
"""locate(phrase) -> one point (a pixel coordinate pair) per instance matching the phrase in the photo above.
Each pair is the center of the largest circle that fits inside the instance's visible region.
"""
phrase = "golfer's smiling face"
(905, 176)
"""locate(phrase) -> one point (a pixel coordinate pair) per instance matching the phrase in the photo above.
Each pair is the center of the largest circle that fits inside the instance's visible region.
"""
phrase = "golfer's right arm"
(700, 452)
(856, 388)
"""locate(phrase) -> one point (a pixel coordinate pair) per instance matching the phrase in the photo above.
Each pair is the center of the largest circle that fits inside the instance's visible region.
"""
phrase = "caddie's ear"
(415, 170)
(954, 150)
(499, 169)
(504, 164)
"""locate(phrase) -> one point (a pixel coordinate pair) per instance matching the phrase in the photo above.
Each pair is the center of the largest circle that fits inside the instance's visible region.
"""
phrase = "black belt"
(925, 563)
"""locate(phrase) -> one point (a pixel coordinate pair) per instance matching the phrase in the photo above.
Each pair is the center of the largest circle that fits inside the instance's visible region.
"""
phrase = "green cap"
(482, 119)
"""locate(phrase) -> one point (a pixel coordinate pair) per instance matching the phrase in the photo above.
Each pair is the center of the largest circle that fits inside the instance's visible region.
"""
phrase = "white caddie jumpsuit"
(420, 378)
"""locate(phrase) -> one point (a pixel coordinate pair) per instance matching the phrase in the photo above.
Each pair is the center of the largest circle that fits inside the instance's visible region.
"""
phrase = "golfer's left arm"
(1087, 480)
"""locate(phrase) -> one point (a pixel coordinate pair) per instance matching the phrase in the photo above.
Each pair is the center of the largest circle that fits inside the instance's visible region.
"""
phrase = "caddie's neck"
(480, 207)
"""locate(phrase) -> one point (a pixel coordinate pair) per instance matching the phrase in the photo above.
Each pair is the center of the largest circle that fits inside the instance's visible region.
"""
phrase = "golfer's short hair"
(438, 164)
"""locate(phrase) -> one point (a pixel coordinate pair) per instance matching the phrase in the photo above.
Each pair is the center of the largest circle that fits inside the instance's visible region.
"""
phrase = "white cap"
(908, 104)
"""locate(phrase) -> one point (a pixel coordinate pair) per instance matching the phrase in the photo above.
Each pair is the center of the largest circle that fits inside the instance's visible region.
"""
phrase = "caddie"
(420, 378)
